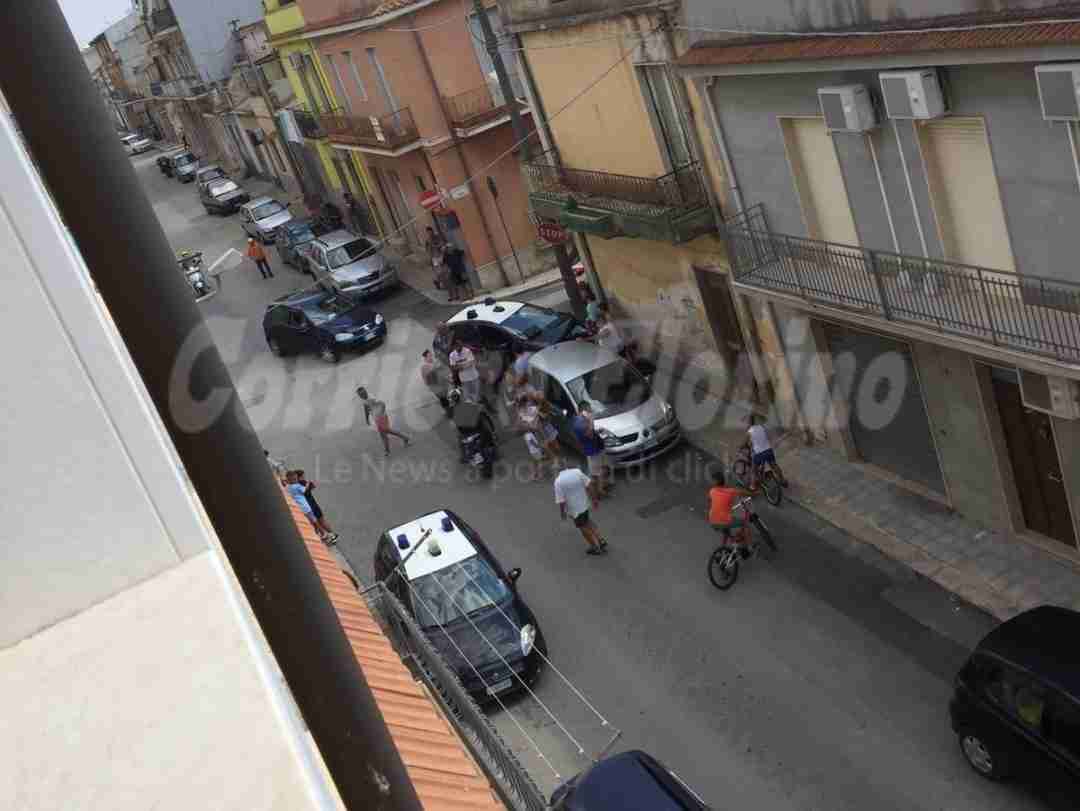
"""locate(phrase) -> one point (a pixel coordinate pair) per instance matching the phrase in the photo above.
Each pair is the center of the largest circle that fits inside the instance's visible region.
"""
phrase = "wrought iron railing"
(1025, 313)
(516, 788)
(390, 131)
(680, 189)
(161, 19)
(309, 124)
(476, 106)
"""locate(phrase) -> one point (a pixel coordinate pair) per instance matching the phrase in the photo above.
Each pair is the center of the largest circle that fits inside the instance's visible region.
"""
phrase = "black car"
(222, 196)
(631, 781)
(495, 330)
(164, 162)
(326, 323)
(455, 589)
(293, 241)
(1016, 707)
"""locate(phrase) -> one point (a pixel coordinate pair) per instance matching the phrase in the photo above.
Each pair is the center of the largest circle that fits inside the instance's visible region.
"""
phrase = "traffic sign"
(552, 232)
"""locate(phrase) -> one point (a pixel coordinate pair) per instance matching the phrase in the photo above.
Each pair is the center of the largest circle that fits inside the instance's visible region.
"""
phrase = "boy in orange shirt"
(721, 501)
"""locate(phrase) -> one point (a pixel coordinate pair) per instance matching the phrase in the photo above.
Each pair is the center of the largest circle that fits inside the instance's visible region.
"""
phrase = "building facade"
(900, 216)
(420, 108)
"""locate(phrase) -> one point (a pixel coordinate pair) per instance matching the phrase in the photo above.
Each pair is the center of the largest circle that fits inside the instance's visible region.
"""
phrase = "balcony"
(672, 208)
(476, 108)
(395, 132)
(309, 124)
(183, 88)
(161, 21)
(1021, 313)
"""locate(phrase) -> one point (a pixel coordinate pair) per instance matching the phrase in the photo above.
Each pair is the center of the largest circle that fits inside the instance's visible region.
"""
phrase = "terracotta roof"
(441, 769)
(881, 43)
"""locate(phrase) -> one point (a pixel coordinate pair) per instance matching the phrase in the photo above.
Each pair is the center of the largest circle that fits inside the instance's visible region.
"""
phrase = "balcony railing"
(186, 87)
(392, 131)
(161, 20)
(475, 107)
(309, 124)
(1025, 313)
(673, 207)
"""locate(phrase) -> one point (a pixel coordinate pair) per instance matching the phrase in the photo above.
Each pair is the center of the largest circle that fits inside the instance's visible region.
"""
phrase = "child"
(377, 409)
(321, 523)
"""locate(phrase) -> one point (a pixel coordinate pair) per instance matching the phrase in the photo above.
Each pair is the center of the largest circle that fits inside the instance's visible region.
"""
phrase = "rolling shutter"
(964, 190)
(818, 181)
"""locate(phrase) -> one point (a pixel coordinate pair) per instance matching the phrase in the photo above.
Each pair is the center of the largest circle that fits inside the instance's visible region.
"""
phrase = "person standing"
(276, 465)
(320, 520)
(434, 378)
(356, 213)
(575, 493)
(257, 254)
(377, 409)
(459, 275)
(534, 417)
(762, 451)
(298, 494)
(435, 245)
(607, 334)
(593, 447)
(463, 363)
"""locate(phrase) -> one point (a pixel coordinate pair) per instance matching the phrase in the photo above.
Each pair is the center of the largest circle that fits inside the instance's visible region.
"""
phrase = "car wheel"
(329, 354)
(981, 756)
(275, 347)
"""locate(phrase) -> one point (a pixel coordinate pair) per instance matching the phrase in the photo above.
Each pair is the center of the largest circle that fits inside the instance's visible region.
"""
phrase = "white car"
(136, 144)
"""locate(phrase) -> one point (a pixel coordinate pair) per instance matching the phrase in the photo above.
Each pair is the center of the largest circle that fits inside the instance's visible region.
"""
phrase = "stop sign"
(552, 232)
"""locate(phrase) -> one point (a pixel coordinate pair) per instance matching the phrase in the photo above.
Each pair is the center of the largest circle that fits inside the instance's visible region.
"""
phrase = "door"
(877, 379)
(818, 181)
(398, 193)
(664, 109)
(1029, 437)
(964, 192)
(299, 335)
(720, 309)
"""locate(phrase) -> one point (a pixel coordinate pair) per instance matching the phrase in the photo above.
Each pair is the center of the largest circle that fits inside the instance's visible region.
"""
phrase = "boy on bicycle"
(721, 501)
(761, 452)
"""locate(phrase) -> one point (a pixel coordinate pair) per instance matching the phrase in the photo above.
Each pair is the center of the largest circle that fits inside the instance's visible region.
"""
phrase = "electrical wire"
(439, 24)
(879, 32)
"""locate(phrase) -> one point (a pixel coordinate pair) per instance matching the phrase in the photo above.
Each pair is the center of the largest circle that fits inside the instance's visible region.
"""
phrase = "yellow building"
(626, 173)
(327, 172)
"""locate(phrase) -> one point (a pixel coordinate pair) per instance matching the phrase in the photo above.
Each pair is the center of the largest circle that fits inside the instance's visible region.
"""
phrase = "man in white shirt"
(762, 452)
(463, 362)
(608, 335)
(574, 494)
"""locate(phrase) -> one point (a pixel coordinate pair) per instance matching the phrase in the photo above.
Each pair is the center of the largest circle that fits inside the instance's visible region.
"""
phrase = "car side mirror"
(513, 574)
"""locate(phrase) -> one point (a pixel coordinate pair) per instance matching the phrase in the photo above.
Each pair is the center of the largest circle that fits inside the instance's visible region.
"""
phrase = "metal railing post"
(872, 268)
(986, 304)
(795, 265)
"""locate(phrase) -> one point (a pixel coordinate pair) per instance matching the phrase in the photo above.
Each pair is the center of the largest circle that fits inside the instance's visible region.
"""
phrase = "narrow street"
(820, 681)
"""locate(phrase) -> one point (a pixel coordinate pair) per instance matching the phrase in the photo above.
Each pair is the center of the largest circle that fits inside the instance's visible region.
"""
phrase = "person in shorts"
(574, 493)
(762, 452)
(321, 523)
(721, 516)
(377, 409)
(463, 363)
(298, 494)
(593, 447)
(531, 417)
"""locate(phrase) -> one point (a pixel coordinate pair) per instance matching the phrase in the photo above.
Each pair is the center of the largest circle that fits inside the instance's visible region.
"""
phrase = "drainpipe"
(460, 152)
(189, 384)
(721, 144)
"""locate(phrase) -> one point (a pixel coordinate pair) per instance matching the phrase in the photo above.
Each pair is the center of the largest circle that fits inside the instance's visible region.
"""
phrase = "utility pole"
(263, 91)
(522, 137)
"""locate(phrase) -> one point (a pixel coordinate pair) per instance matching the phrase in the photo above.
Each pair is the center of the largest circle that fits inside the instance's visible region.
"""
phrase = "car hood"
(356, 317)
(635, 420)
(280, 218)
(189, 169)
(230, 195)
(359, 270)
(141, 142)
(501, 632)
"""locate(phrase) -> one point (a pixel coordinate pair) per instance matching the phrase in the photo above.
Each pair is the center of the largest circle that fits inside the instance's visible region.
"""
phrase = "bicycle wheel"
(774, 493)
(740, 469)
(724, 567)
(767, 547)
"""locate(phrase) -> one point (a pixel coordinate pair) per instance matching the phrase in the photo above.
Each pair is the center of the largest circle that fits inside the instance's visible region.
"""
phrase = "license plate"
(500, 686)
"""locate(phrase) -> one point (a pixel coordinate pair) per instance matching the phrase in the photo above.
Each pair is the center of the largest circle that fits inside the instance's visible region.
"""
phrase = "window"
(311, 71)
(261, 212)
(538, 322)
(349, 253)
(506, 50)
(455, 592)
(223, 188)
(329, 308)
(1020, 696)
(338, 84)
(611, 389)
(361, 91)
(664, 108)
(384, 84)
(296, 319)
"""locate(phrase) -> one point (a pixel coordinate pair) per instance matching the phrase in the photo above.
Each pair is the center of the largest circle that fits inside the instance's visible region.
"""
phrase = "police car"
(466, 604)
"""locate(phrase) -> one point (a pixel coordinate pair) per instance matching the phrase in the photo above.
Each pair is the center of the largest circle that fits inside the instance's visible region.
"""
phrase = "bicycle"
(767, 479)
(723, 568)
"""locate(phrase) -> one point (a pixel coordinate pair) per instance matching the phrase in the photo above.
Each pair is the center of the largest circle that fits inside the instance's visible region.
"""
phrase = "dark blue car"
(321, 322)
(631, 781)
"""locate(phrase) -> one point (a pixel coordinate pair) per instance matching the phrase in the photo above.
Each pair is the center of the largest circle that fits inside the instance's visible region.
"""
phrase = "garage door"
(818, 181)
(964, 190)
(887, 418)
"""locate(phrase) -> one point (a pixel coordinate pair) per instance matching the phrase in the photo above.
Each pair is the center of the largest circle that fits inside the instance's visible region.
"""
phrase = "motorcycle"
(190, 264)
(476, 434)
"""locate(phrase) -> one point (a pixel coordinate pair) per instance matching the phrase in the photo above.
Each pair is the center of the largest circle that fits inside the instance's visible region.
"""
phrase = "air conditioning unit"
(912, 94)
(1059, 91)
(1058, 396)
(847, 108)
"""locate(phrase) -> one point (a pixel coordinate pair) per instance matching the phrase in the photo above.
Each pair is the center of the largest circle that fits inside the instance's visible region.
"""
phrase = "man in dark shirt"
(593, 448)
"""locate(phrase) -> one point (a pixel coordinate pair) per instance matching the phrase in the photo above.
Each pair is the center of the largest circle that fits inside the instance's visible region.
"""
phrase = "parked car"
(453, 586)
(630, 781)
(293, 243)
(324, 322)
(205, 174)
(136, 144)
(494, 330)
(262, 217)
(354, 264)
(183, 166)
(164, 162)
(1016, 704)
(634, 422)
(222, 196)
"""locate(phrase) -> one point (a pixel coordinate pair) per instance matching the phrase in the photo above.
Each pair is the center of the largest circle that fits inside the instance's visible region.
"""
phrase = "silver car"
(353, 264)
(262, 217)
(634, 423)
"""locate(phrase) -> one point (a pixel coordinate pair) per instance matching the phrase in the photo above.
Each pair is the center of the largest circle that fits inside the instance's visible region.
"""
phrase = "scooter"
(191, 266)
(476, 434)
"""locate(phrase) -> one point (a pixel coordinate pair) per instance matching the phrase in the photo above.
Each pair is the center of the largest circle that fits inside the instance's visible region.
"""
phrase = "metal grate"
(390, 131)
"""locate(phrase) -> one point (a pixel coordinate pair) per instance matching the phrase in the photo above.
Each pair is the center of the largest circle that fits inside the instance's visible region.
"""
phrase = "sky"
(88, 18)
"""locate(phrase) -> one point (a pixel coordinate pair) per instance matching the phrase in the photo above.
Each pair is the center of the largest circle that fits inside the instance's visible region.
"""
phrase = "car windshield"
(301, 233)
(184, 160)
(349, 252)
(611, 389)
(210, 174)
(539, 322)
(224, 187)
(329, 308)
(457, 591)
(267, 210)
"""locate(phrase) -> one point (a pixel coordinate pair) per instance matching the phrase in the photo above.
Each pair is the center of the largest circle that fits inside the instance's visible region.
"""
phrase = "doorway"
(1033, 455)
(720, 309)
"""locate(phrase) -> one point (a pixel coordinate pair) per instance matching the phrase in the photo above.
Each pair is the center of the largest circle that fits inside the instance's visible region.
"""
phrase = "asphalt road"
(820, 681)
